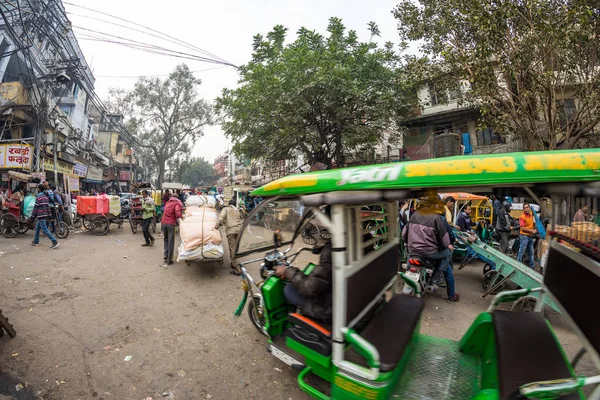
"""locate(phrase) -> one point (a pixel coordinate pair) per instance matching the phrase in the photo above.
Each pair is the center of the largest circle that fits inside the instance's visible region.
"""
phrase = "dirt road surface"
(104, 318)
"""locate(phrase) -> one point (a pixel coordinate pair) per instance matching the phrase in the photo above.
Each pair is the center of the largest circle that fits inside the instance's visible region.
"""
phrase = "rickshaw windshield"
(272, 214)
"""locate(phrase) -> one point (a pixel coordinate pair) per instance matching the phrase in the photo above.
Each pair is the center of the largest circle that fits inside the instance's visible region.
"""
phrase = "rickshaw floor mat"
(437, 370)
(390, 331)
(527, 351)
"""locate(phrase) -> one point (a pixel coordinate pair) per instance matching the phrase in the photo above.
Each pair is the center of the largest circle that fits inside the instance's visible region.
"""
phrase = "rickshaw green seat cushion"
(527, 351)
(390, 331)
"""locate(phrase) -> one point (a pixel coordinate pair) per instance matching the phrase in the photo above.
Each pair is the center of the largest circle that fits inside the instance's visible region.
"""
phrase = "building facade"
(50, 117)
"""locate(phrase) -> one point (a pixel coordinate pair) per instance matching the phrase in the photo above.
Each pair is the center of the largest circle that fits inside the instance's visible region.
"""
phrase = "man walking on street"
(41, 211)
(147, 215)
(170, 219)
(230, 217)
(503, 225)
(527, 224)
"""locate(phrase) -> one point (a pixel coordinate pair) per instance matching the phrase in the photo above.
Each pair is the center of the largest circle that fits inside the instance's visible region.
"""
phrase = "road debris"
(127, 358)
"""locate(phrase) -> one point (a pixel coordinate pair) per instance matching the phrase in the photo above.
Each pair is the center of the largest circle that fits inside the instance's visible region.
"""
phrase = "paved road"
(82, 310)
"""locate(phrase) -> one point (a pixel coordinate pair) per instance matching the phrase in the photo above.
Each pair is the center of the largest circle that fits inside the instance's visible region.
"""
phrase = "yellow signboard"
(61, 168)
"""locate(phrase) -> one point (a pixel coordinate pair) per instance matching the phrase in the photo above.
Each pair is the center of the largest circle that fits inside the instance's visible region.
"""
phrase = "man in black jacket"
(312, 292)
(503, 225)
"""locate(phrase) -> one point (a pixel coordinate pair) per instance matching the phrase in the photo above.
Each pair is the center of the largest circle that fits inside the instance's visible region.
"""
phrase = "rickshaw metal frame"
(345, 246)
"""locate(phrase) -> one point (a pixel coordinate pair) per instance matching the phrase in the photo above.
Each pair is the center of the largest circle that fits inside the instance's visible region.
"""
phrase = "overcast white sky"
(224, 28)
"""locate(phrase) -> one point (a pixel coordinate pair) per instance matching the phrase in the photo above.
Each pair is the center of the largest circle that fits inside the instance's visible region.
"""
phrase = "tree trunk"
(161, 171)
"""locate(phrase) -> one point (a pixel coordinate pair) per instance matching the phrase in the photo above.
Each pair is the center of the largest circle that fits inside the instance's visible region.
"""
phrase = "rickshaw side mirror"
(277, 238)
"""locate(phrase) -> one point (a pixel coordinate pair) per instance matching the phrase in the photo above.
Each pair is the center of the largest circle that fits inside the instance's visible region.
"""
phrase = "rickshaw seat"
(527, 351)
(390, 331)
(314, 335)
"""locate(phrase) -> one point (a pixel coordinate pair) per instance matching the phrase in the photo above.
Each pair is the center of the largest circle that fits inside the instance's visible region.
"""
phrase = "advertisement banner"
(16, 156)
(94, 174)
(80, 170)
(125, 176)
(61, 168)
(73, 181)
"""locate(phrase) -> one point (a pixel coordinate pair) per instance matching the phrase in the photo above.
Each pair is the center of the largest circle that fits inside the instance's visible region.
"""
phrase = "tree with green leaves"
(320, 96)
(166, 116)
(193, 172)
(531, 66)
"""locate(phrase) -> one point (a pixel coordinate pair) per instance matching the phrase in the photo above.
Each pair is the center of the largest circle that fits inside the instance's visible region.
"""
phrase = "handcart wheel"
(325, 234)
(133, 223)
(87, 222)
(489, 277)
(487, 268)
(100, 225)
(525, 304)
(9, 225)
(310, 233)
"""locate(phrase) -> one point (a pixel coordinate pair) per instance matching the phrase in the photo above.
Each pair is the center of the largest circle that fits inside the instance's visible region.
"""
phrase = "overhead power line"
(159, 75)
(179, 41)
(151, 48)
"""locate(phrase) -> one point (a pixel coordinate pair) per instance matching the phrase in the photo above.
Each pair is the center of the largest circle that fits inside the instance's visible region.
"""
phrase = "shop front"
(93, 179)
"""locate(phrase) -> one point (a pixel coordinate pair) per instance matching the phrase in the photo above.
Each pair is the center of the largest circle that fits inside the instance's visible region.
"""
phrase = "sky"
(224, 28)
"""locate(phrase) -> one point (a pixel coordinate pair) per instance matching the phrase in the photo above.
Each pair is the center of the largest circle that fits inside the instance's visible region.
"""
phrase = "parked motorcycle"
(424, 273)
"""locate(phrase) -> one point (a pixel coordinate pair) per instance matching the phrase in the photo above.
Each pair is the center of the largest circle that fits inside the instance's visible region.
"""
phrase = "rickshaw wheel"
(23, 227)
(487, 268)
(9, 225)
(133, 223)
(256, 320)
(101, 225)
(487, 278)
(62, 230)
(153, 225)
(525, 304)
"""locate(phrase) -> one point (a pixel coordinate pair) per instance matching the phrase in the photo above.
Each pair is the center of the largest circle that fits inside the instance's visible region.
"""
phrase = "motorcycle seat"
(525, 343)
(390, 331)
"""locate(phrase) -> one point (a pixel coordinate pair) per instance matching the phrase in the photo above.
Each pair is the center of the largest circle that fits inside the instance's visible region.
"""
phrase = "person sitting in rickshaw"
(312, 292)
(464, 220)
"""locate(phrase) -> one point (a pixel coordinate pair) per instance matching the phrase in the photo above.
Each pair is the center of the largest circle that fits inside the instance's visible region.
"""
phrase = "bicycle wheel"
(270, 222)
(133, 223)
(61, 230)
